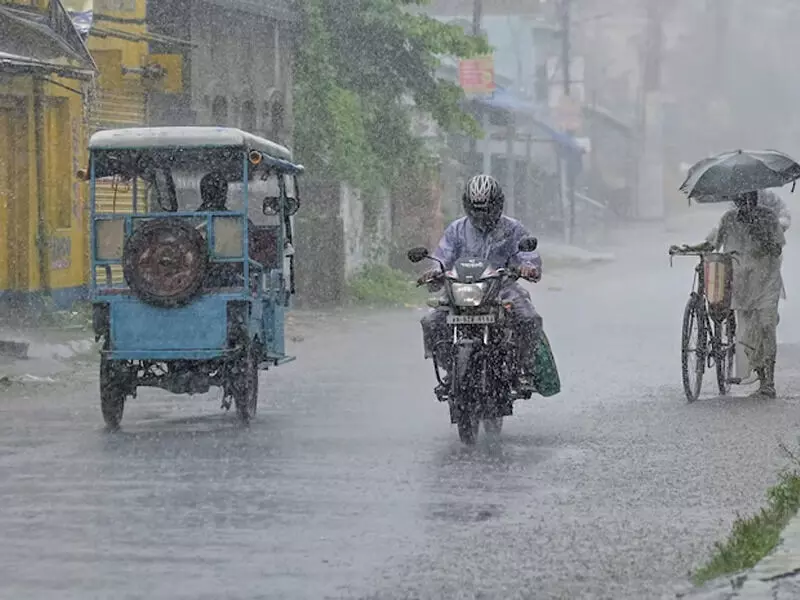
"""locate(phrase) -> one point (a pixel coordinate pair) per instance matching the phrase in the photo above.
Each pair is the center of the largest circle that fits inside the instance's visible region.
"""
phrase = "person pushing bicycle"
(756, 235)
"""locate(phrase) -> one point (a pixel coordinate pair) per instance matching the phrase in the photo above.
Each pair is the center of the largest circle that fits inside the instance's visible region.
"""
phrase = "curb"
(560, 256)
(13, 349)
(775, 577)
(63, 351)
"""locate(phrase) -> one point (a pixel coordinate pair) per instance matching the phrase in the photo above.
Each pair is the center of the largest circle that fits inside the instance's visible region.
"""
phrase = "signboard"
(569, 114)
(476, 75)
(81, 12)
(60, 253)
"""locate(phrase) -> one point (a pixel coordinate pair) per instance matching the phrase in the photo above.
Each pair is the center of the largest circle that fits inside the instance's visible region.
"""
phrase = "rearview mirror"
(292, 206)
(528, 244)
(271, 206)
(418, 254)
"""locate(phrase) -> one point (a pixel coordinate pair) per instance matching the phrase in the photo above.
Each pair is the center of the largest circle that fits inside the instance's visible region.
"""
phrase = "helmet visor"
(484, 218)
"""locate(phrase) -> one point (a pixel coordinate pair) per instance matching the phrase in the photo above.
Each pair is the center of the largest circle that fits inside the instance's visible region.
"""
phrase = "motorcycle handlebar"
(509, 273)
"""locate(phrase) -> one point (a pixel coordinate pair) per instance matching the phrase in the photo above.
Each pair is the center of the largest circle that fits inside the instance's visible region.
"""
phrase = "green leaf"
(362, 68)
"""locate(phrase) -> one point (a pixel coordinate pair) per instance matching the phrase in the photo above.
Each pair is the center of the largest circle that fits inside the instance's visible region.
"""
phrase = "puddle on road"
(458, 512)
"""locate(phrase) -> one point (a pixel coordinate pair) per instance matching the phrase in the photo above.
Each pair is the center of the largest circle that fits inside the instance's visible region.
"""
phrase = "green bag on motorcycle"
(545, 374)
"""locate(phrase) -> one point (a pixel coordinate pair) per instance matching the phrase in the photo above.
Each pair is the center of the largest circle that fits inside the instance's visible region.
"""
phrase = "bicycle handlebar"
(692, 252)
(512, 273)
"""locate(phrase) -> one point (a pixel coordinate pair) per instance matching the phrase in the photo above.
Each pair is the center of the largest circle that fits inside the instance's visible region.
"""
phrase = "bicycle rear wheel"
(694, 341)
(725, 352)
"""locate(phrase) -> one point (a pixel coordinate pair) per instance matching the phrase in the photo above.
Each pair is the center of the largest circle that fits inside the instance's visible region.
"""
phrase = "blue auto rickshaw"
(192, 261)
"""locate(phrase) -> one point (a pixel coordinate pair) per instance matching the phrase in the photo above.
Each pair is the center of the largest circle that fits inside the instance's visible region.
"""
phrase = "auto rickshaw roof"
(186, 137)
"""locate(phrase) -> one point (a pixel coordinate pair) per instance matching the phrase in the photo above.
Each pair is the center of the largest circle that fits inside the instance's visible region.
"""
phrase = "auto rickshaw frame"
(221, 335)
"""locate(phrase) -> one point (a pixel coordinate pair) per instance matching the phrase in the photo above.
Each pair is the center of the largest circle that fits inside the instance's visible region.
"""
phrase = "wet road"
(352, 484)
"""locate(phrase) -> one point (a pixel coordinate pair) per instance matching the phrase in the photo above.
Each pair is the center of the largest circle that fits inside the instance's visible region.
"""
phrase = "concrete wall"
(237, 72)
(338, 232)
(367, 229)
(252, 79)
(490, 7)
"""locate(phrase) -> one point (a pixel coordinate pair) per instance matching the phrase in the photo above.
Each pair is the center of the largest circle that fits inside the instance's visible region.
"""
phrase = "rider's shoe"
(442, 392)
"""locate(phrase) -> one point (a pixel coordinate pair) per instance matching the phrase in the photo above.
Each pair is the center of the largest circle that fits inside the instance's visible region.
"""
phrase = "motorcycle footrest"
(523, 394)
(442, 395)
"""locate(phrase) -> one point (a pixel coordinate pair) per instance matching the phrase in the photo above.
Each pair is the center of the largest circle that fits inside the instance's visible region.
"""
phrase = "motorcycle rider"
(485, 232)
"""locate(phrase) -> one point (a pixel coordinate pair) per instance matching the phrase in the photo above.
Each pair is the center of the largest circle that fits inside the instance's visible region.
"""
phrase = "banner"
(81, 12)
(476, 75)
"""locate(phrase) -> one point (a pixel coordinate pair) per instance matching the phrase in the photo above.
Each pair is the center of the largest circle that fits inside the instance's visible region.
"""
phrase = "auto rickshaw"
(192, 265)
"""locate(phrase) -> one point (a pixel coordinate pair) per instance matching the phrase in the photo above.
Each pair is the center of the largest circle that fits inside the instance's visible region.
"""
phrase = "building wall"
(62, 232)
(246, 84)
(117, 42)
(490, 7)
(45, 248)
(367, 224)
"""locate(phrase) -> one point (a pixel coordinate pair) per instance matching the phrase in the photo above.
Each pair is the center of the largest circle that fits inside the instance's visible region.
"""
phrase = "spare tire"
(165, 262)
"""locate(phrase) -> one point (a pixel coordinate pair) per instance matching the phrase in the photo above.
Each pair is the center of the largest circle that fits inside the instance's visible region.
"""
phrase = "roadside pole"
(567, 169)
(477, 17)
(650, 197)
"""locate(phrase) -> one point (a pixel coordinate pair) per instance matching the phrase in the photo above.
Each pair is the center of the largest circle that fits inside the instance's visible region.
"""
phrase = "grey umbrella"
(737, 172)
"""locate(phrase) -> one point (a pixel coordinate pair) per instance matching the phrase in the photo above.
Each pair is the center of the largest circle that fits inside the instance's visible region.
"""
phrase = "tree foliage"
(363, 67)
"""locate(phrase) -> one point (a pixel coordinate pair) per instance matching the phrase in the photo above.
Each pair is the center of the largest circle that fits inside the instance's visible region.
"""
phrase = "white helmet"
(483, 202)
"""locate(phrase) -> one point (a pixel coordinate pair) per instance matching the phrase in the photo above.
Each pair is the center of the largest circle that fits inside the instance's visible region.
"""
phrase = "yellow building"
(117, 38)
(67, 69)
(46, 74)
(116, 35)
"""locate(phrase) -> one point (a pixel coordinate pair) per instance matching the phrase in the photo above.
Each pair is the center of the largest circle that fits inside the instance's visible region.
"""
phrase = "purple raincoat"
(462, 240)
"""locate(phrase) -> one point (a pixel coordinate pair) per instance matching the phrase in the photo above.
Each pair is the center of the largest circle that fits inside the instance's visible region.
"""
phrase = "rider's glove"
(428, 276)
(530, 272)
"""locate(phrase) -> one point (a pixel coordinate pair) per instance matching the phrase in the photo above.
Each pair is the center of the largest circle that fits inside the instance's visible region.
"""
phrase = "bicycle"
(709, 318)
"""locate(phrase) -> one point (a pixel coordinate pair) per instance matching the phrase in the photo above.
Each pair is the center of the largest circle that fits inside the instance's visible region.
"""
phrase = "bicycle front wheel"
(725, 352)
(693, 348)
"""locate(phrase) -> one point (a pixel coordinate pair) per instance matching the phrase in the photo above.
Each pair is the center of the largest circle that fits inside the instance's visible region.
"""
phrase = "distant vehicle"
(189, 294)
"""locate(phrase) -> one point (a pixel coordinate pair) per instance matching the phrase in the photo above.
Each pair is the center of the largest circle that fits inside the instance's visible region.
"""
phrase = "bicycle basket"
(719, 278)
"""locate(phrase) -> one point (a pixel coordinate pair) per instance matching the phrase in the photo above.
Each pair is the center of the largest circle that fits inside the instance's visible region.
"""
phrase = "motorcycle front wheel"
(493, 427)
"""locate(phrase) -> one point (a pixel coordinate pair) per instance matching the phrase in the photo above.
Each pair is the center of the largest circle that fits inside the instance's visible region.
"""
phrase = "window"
(277, 116)
(248, 116)
(219, 111)
(58, 188)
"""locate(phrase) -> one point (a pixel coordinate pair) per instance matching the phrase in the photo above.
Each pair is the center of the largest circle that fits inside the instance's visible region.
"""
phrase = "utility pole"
(650, 201)
(568, 174)
(566, 44)
(477, 17)
(718, 106)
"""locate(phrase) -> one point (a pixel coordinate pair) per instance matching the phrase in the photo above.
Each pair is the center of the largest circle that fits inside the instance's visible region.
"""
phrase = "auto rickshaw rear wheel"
(112, 393)
(165, 262)
(244, 382)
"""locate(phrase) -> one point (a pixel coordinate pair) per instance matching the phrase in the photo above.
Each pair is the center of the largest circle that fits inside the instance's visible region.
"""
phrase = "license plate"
(470, 319)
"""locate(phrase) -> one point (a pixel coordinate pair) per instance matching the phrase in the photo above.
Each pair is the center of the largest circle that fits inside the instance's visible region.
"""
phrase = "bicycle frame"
(716, 338)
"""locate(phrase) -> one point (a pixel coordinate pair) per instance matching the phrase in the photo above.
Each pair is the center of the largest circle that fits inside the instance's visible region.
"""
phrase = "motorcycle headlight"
(468, 294)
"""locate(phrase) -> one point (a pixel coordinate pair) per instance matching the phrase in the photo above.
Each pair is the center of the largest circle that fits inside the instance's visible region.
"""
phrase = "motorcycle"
(482, 353)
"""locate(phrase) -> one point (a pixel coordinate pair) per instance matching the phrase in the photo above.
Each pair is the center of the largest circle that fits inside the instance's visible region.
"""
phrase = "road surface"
(352, 483)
